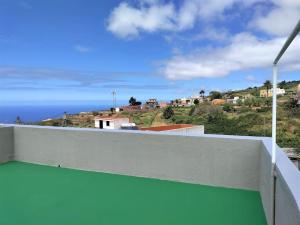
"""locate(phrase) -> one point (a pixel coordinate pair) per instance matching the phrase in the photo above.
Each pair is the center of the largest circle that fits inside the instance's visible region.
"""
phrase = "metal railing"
(274, 111)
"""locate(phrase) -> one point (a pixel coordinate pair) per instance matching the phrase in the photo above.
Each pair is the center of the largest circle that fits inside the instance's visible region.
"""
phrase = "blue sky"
(84, 49)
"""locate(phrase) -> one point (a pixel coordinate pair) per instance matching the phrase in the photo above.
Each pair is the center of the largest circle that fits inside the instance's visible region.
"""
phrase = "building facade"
(265, 94)
(110, 123)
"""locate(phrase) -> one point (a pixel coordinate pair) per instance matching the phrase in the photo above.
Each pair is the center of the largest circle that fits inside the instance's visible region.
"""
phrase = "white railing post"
(274, 113)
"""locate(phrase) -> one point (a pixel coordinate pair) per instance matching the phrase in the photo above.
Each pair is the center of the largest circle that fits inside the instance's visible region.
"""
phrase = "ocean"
(33, 112)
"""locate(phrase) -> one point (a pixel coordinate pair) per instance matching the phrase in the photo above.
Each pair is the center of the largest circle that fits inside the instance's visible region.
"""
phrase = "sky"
(83, 50)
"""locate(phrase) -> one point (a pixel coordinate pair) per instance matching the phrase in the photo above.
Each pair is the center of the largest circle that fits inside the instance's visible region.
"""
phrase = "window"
(107, 123)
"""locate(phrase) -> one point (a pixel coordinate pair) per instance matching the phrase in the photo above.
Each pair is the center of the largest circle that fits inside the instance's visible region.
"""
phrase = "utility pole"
(114, 94)
(18, 120)
(65, 119)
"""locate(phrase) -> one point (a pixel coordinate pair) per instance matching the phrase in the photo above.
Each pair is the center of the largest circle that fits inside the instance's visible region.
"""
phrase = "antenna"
(114, 94)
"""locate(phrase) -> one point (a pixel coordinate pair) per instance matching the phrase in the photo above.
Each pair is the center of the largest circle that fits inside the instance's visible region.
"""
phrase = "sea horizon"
(30, 112)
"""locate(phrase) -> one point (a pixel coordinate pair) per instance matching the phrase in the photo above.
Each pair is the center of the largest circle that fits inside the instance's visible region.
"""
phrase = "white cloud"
(153, 15)
(244, 52)
(213, 34)
(82, 49)
(281, 20)
(126, 21)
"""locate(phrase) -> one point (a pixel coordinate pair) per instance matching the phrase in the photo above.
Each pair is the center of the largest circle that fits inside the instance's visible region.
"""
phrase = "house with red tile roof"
(178, 128)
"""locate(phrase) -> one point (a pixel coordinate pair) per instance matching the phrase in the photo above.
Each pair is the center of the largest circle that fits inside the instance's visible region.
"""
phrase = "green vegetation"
(228, 107)
(201, 93)
(168, 112)
(132, 101)
(268, 86)
(253, 117)
(43, 195)
(196, 102)
(245, 120)
(142, 119)
(215, 95)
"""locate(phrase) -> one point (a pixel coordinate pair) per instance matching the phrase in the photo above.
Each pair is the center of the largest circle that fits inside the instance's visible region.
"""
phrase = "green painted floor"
(42, 195)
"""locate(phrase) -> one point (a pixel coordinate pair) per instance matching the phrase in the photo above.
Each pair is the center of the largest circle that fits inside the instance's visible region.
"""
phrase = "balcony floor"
(34, 195)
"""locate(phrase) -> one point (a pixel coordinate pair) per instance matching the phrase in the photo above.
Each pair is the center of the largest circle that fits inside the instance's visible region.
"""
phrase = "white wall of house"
(111, 124)
(279, 91)
(194, 130)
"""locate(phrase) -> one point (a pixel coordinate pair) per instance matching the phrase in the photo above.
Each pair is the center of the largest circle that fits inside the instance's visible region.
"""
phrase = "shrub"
(191, 112)
(203, 109)
(95, 113)
(196, 101)
(228, 107)
(168, 112)
(215, 95)
(248, 102)
(244, 110)
(263, 109)
(292, 107)
(256, 102)
(239, 102)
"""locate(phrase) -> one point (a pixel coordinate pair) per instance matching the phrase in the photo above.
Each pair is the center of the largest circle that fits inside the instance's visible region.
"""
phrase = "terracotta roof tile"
(168, 127)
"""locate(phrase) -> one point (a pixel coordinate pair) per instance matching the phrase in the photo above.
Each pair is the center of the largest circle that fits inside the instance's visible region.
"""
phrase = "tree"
(268, 86)
(248, 102)
(239, 102)
(202, 92)
(132, 101)
(268, 102)
(196, 101)
(282, 84)
(256, 102)
(168, 112)
(228, 107)
(292, 107)
(215, 95)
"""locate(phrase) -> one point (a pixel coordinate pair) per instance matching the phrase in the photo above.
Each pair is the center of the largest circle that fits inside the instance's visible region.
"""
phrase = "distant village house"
(110, 123)
(233, 100)
(152, 103)
(265, 94)
(163, 104)
(130, 108)
(185, 129)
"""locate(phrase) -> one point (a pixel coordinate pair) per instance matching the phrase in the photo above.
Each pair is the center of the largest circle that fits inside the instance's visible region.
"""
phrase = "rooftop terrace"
(134, 177)
(50, 195)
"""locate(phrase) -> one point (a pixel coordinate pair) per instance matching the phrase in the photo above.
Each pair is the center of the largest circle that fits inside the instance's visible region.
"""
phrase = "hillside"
(253, 117)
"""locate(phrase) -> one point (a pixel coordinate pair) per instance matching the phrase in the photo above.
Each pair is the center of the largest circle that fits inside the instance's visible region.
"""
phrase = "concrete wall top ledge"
(286, 171)
(290, 175)
(237, 137)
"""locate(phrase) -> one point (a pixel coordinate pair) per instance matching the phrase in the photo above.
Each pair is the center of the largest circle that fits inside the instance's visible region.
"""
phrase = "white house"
(279, 91)
(110, 122)
(193, 98)
(233, 100)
